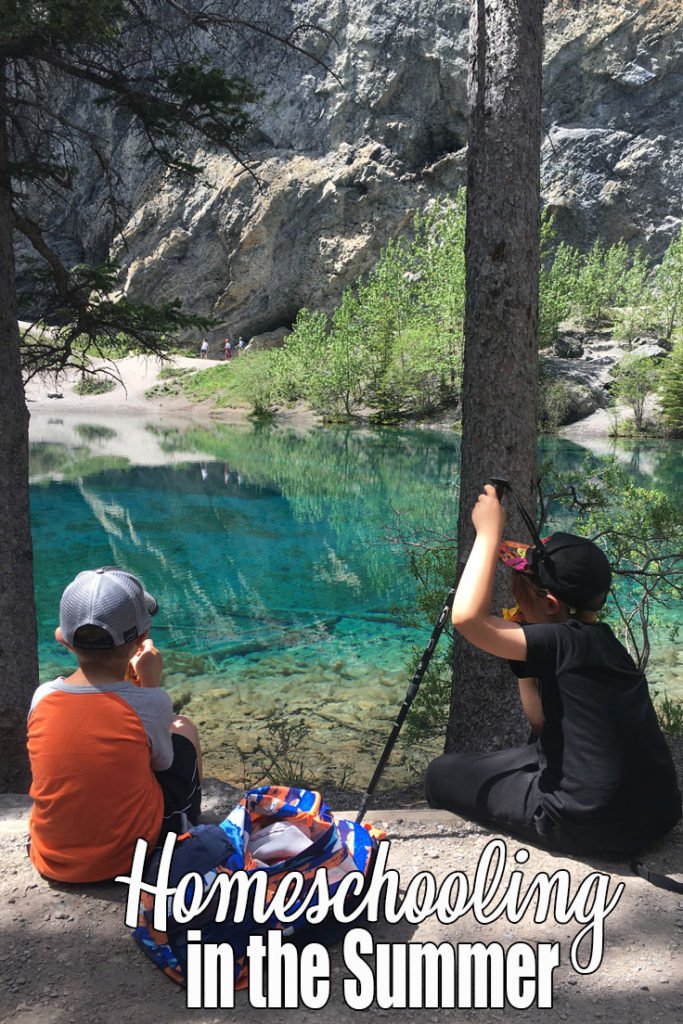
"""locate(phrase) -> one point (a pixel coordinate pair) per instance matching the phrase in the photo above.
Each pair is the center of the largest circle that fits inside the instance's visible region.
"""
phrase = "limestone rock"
(648, 349)
(347, 150)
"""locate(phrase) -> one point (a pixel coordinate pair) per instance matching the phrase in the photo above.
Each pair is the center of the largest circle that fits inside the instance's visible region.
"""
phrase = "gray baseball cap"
(111, 599)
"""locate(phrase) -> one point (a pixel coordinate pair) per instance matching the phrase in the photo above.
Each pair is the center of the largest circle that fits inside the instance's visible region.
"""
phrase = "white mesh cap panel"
(109, 598)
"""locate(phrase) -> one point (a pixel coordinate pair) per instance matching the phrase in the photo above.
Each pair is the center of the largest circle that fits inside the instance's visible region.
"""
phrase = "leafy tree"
(558, 277)
(147, 65)
(600, 282)
(304, 349)
(395, 341)
(641, 532)
(636, 313)
(671, 388)
(342, 371)
(634, 380)
(669, 287)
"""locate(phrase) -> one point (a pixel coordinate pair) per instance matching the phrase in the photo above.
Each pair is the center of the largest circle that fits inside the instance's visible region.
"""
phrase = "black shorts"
(181, 787)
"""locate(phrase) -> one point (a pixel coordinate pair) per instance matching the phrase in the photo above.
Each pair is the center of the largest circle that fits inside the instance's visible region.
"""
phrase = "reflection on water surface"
(274, 556)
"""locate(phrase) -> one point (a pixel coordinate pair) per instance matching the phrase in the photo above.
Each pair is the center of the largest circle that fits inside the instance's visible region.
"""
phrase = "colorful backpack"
(255, 837)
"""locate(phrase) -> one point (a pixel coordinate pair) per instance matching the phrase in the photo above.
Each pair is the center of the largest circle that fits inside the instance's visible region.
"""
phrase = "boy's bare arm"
(472, 605)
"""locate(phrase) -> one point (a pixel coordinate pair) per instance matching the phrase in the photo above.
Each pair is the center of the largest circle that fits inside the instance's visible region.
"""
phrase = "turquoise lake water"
(276, 560)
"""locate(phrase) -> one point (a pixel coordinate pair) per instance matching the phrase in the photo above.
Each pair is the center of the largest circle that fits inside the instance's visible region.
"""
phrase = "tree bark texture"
(18, 634)
(501, 326)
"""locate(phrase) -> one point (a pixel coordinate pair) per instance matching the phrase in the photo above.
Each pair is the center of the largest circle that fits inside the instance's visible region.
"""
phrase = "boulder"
(579, 401)
(568, 346)
(270, 339)
(649, 349)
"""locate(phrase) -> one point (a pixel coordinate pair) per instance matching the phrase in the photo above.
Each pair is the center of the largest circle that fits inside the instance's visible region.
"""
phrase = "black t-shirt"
(609, 771)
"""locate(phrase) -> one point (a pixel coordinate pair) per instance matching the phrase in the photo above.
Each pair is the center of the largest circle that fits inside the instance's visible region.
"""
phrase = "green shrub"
(669, 714)
(257, 381)
(394, 343)
(555, 402)
(94, 384)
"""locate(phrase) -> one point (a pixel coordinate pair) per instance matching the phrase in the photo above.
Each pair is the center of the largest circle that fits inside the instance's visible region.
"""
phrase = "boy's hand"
(146, 665)
(488, 515)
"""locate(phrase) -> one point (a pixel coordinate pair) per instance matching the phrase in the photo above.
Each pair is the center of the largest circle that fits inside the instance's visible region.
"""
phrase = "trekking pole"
(418, 676)
(407, 701)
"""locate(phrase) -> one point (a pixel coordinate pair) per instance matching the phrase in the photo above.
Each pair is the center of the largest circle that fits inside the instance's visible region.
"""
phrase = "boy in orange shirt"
(110, 761)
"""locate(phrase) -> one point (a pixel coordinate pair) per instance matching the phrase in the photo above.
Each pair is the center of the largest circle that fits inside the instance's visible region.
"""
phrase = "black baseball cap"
(572, 568)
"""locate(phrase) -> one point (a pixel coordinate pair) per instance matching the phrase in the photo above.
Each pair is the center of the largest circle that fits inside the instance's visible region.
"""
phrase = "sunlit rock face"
(347, 149)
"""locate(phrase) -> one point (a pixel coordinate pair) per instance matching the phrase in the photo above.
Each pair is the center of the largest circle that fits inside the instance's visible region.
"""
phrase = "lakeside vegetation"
(393, 346)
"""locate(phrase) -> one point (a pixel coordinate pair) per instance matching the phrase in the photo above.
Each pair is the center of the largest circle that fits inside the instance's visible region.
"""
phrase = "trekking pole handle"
(500, 485)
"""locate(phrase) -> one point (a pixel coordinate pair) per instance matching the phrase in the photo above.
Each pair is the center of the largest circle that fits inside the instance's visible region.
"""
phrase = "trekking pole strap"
(501, 486)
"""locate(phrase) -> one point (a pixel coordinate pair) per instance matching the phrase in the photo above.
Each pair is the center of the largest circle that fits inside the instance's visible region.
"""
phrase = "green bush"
(94, 384)
(555, 402)
(669, 714)
(256, 379)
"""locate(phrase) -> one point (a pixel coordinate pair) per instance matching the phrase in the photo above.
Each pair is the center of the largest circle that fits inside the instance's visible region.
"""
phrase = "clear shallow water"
(275, 560)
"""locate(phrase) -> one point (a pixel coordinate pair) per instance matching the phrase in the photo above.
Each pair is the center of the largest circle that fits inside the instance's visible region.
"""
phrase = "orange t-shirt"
(94, 790)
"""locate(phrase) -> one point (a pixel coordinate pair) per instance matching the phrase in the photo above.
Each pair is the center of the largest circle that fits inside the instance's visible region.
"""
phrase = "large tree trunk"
(18, 635)
(501, 320)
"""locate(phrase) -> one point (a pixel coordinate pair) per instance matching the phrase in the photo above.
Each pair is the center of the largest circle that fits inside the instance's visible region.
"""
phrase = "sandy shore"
(135, 376)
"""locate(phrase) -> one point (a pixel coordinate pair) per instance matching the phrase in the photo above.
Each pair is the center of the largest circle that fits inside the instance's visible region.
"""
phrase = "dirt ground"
(68, 957)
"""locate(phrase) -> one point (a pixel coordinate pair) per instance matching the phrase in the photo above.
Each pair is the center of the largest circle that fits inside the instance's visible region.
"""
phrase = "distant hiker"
(110, 760)
(600, 777)
(227, 348)
(204, 349)
(241, 344)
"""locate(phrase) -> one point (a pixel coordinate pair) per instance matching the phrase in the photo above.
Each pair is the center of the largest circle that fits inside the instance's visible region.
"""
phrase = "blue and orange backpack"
(338, 846)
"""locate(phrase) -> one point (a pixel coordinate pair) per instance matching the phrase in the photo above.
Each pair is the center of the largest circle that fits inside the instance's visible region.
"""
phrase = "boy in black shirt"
(600, 777)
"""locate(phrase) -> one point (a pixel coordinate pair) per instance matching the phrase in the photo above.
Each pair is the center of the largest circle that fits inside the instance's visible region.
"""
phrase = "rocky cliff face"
(342, 160)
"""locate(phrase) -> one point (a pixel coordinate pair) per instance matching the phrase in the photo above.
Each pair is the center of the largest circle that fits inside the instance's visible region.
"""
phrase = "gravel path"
(68, 958)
